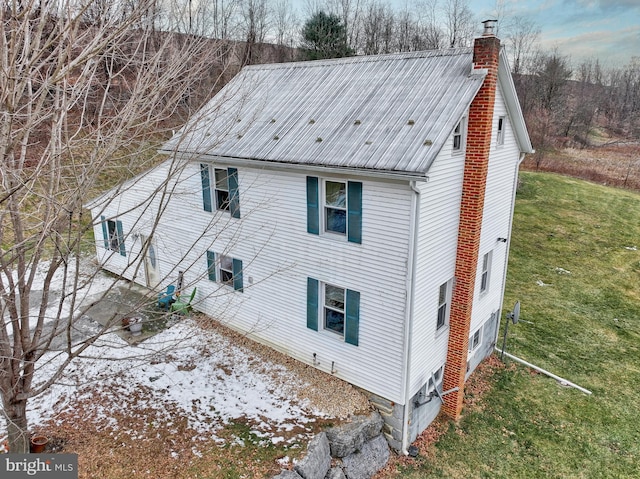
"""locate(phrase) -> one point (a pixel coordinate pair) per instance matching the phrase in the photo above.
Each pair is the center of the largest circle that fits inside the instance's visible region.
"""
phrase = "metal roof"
(389, 113)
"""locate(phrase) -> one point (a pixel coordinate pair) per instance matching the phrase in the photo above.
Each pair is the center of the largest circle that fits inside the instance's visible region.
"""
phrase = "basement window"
(437, 375)
(475, 340)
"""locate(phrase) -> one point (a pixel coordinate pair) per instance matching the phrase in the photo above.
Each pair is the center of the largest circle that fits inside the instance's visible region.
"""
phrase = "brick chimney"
(486, 50)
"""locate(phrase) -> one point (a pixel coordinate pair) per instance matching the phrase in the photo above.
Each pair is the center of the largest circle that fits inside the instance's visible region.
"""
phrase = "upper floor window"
(485, 272)
(223, 193)
(335, 207)
(113, 235)
(500, 134)
(458, 137)
(444, 297)
(221, 190)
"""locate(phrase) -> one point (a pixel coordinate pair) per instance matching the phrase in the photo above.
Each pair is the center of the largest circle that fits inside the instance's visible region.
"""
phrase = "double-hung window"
(485, 273)
(334, 207)
(334, 309)
(444, 298)
(225, 269)
(221, 193)
(113, 235)
(500, 133)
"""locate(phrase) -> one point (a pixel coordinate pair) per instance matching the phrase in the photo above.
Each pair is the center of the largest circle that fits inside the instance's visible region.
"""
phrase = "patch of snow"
(631, 248)
(541, 283)
(198, 374)
(562, 271)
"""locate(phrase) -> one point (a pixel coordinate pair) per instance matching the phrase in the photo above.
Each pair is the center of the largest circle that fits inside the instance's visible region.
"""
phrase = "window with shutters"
(225, 269)
(220, 189)
(113, 235)
(334, 208)
(334, 309)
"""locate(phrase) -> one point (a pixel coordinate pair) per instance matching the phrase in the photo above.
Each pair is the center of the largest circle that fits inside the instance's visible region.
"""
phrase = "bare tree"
(521, 40)
(67, 130)
(285, 23)
(460, 22)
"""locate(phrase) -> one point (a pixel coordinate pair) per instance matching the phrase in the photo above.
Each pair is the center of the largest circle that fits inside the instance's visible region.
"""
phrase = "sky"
(581, 29)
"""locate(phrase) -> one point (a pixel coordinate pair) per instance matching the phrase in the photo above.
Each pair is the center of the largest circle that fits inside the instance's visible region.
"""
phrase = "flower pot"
(135, 326)
(38, 443)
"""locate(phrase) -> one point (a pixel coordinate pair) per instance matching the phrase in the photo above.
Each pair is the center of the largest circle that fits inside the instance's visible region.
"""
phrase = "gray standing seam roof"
(388, 113)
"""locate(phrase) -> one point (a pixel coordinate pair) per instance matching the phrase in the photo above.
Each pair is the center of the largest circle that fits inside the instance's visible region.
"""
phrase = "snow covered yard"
(192, 400)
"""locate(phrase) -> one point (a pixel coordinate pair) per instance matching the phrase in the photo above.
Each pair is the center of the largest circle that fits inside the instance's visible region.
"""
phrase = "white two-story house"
(354, 214)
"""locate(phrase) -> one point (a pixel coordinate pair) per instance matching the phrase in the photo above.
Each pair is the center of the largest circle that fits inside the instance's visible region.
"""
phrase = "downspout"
(409, 306)
(508, 245)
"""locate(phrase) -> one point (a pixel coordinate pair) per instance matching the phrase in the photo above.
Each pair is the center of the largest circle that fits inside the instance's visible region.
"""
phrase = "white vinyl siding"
(496, 221)
(279, 255)
(435, 263)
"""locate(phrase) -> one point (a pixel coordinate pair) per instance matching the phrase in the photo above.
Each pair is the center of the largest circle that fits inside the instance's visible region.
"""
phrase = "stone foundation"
(358, 450)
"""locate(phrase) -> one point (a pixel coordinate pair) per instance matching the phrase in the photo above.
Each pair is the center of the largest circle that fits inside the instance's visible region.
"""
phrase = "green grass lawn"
(575, 267)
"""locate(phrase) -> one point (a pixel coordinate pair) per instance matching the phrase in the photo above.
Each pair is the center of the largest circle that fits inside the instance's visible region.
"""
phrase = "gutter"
(409, 307)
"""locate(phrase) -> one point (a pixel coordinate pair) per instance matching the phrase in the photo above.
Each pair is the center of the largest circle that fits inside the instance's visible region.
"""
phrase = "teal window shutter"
(354, 211)
(206, 186)
(234, 196)
(237, 275)
(120, 238)
(211, 265)
(312, 303)
(105, 234)
(352, 321)
(313, 209)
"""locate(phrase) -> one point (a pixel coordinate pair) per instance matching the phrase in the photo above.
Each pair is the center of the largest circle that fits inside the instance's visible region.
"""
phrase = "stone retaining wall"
(357, 451)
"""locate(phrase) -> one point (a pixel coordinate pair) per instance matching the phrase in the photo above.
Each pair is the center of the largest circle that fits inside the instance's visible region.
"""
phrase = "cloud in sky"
(582, 29)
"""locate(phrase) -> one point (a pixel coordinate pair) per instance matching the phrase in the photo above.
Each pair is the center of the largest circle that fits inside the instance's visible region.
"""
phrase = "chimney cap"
(489, 28)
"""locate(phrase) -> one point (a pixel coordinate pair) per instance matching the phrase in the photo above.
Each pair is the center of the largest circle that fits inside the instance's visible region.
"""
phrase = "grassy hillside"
(575, 267)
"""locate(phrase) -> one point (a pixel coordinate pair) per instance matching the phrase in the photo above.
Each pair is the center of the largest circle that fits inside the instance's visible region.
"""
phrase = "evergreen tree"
(324, 36)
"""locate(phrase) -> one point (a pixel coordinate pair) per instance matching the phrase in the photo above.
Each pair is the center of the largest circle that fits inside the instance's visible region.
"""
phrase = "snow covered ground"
(184, 371)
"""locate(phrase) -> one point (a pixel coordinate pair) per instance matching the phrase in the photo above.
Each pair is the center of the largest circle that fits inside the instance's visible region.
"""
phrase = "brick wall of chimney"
(479, 131)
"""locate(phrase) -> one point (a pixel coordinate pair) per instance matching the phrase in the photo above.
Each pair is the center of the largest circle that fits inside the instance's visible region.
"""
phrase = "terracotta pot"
(38, 443)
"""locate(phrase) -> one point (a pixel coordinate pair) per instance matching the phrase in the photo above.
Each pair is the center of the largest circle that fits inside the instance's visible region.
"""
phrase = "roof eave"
(513, 105)
(299, 167)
